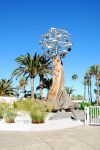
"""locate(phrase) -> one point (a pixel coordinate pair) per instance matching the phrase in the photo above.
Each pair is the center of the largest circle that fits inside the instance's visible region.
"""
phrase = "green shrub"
(39, 111)
(43, 106)
(23, 105)
(41, 117)
(10, 115)
(1, 112)
(3, 107)
(38, 116)
(85, 104)
(28, 105)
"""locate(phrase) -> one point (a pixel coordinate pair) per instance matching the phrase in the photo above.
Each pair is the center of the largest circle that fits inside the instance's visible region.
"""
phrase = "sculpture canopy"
(56, 43)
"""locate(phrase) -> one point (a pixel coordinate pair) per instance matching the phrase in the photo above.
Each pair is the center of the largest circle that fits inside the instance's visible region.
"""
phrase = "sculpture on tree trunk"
(57, 91)
(53, 43)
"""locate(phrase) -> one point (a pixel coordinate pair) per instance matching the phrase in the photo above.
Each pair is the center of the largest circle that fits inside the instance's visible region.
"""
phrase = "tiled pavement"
(77, 138)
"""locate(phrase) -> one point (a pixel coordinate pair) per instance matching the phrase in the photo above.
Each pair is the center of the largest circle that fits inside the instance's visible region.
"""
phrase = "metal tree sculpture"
(56, 44)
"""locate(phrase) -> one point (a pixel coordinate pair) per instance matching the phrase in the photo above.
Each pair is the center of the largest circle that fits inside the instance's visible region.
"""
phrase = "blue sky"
(23, 21)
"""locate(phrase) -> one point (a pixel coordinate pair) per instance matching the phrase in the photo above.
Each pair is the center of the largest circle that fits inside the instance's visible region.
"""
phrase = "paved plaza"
(77, 138)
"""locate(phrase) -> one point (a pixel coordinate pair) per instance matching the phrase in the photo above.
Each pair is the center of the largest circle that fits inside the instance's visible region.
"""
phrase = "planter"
(9, 115)
(54, 110)
(8, 120)
(37, 122)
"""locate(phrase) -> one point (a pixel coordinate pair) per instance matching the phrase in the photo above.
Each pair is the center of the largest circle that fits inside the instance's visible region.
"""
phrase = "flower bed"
(37, 110)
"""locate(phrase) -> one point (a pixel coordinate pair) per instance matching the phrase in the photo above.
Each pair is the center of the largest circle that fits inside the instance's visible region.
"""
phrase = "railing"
(92, 115)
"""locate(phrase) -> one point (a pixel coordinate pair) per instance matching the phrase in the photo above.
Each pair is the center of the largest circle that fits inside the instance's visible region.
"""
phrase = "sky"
(23, 21)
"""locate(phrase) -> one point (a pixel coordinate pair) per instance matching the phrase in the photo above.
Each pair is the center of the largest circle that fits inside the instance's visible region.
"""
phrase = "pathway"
(77, 138)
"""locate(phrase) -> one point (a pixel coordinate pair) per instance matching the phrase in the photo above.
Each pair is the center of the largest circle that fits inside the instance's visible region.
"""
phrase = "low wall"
(7, 99)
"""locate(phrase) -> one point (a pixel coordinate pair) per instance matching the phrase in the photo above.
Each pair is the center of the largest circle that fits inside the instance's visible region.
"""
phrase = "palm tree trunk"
(84, 92)
(98, 95)
(32, 88)
(90, 93)
(41, 90)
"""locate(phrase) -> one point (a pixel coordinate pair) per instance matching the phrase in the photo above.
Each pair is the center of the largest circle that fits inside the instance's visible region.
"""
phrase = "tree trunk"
(84, 92)
(98, 94)
(41, 90)
(32, 88)
(90, 93)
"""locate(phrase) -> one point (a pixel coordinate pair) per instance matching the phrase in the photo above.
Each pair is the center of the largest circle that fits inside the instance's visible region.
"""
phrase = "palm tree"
(85, 84)
(69, 90)
(74, 77)
(28, 67)
(97, 92)
(87, 80)
(89, 84)
(22, 84)
(95, 71)
(46, 84)
(6, 88)
(43, 70)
